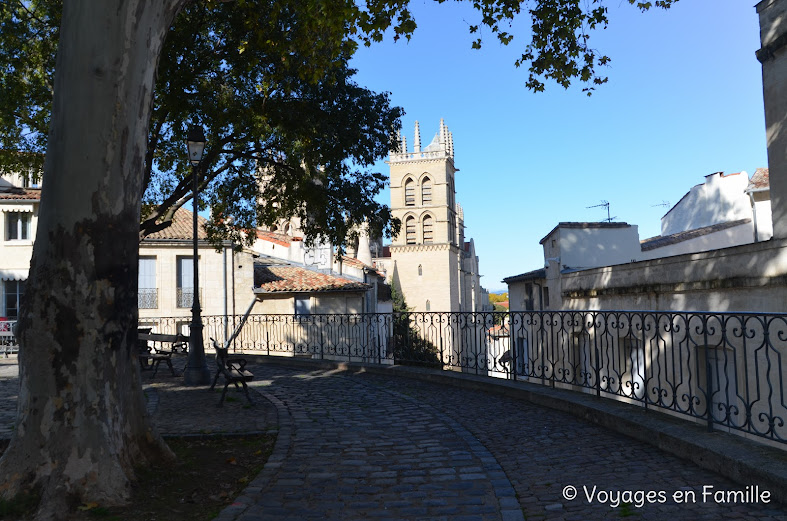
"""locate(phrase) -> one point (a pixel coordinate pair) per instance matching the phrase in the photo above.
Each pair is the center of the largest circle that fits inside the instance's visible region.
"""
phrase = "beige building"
(430, 261)
(19, 202)
(166, 287)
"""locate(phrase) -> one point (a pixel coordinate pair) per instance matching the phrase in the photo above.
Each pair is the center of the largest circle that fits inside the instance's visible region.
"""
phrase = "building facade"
(429, 261)
(166, 286)
(19, 202)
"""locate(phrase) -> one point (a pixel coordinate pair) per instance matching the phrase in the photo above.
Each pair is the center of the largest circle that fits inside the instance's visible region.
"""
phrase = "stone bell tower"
(426, 254)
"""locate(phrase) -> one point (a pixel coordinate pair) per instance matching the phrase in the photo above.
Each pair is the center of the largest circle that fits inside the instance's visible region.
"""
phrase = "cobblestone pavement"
(174, 408)
(386, 448)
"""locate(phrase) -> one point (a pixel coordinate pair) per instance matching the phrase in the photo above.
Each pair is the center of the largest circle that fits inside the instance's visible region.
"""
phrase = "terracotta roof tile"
(759, 181)
(276, 238)
(181, 227)
(18, 194)
(293, 279)
(355, 263)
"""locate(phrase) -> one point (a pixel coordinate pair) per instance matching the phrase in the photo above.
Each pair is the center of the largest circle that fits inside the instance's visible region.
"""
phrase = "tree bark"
(81, 422)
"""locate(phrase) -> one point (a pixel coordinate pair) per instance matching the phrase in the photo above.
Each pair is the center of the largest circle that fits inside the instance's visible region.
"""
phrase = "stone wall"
(751, 277)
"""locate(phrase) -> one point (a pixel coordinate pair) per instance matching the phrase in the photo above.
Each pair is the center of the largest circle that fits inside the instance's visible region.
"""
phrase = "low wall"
(751, 277)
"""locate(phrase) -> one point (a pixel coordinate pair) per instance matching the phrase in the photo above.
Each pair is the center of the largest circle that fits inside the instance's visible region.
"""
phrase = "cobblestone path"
(376, 447)
(370, 447)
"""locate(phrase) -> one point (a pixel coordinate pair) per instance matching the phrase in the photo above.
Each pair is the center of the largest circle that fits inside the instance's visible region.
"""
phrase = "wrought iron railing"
(148, 298)
(185, 297)
(725, 369)
(8, 342)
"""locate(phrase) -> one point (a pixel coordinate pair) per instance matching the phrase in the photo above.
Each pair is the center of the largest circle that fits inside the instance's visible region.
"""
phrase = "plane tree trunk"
(81, 424)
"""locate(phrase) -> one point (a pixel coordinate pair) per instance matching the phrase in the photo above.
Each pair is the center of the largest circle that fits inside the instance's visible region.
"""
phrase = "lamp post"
(196, 372)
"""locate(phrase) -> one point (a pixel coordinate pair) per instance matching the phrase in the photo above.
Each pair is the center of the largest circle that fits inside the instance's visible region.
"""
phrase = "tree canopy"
(271, 83)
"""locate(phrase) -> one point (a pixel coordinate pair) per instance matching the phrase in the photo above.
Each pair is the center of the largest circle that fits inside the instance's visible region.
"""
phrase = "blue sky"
(684, 100)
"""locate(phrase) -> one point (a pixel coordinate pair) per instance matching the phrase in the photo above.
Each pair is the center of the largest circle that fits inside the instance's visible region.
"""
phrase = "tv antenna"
(605, 204)
(663, 203)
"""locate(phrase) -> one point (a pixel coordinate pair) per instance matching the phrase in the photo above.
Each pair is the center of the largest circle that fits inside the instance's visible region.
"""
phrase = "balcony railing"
(148, 298)
(185, 297)
(724, 369)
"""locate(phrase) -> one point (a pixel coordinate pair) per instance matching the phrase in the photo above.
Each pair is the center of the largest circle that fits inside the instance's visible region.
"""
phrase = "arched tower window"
(428, 228)
(409, 193)
(428, 306)
(420, 270)
(410, 230)
(426, 191)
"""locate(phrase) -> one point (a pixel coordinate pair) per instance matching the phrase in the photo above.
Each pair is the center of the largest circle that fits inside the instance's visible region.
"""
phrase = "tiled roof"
(277, 238)
(355, 263)
(660, 241)
(182, 227)
(585, 225)
(759, 181)
(530, 275)
(293, 279)
(20, 194)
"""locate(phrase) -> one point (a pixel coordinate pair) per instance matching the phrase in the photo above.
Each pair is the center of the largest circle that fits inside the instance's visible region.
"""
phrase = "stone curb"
(742, 460)
(281, 448)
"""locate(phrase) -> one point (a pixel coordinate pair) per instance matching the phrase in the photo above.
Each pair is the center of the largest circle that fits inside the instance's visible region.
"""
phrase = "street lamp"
(196, 372)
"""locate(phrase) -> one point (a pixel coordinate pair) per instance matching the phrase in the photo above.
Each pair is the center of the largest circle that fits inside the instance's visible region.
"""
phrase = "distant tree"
(409, 347)
(494, 298)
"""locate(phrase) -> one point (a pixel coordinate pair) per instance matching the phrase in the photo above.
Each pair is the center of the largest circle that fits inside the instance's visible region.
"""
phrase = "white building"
(166, 271)
(725, 211)
(19, 203)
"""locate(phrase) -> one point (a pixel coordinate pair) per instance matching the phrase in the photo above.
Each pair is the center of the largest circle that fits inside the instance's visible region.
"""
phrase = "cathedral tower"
(427, 253)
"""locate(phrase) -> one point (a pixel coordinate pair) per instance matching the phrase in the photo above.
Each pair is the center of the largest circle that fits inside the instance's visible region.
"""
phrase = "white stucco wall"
(750, 277)
(721, 198)
(735, 236)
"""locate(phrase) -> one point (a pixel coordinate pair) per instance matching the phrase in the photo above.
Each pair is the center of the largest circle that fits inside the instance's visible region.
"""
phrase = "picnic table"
(154, 348)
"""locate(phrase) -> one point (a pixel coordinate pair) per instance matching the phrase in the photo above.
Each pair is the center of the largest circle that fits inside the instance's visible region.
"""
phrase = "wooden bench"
(233, 370)
(151, 356)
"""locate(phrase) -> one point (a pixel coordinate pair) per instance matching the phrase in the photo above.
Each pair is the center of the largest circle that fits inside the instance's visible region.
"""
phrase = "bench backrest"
(221, 355)
(162, 337)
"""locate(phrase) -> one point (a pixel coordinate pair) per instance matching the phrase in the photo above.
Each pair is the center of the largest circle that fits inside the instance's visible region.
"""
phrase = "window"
(426, 191)
(148, 291)
(428, 229)
(420, 270)
(546, 298)
(185, 293)
(410, 230)
(29, 182)
(303, 305)
(17, 226)
(409, 193)
(12, 296)
(428, 306)
(528, 297)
